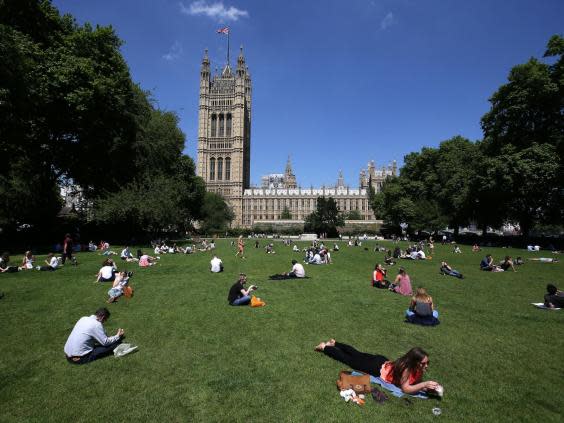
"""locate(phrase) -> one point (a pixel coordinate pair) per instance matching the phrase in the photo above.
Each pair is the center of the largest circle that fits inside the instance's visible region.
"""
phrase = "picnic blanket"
(392, 388)
(541, 305)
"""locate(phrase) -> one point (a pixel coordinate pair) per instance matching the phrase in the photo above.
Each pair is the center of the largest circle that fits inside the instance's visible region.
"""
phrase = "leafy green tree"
(286, 215)
(216, 213)
(524, 136)
(353, 215)
(326, 218)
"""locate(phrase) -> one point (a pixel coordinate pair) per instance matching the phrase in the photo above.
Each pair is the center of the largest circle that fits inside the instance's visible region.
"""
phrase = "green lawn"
(498, 357)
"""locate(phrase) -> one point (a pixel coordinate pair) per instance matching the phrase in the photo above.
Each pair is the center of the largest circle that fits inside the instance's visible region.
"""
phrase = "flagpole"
(228, 31)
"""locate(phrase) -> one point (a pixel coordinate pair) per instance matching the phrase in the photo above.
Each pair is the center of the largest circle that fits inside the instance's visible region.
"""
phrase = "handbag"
(128, 291)
(360, 384)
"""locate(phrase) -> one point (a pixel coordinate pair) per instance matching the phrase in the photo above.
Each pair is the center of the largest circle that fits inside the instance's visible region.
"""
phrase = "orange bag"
(128, 291)
(257, 302)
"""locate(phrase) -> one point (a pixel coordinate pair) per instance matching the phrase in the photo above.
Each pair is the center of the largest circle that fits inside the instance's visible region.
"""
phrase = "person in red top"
(406, 372)
(379, 277)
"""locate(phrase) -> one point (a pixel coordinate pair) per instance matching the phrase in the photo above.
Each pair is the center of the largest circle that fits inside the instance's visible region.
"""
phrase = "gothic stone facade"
(224, 151)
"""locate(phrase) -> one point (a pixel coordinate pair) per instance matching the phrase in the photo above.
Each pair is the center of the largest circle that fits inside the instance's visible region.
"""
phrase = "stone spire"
(341, 180)
(205, 69)
(289, 177)
(241, 68)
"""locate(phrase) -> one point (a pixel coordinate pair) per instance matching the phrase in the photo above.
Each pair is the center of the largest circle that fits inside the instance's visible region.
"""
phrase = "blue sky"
(335, 83)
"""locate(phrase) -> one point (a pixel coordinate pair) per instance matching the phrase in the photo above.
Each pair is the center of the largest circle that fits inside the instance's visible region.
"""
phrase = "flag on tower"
(223, 30)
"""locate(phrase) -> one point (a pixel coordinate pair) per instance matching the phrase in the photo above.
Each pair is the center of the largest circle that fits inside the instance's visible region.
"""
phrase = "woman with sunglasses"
(406, 372)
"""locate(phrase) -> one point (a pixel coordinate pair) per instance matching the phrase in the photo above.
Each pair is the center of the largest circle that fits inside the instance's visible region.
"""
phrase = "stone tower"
(224, 132)
(289, 177)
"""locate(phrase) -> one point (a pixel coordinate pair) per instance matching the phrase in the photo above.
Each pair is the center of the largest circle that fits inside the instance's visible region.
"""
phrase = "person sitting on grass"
(107, 273)
(88, 340)
(216, 265)
(507, 264)
(91, 246)
(147, 260)
(421, 309)
(379, 277)
(402, 283)
(269, 248)
(406, 372)
(447, 270)
(295, 249)
(116, 290)
(388, 259)
(487, 264)
(238, 295)
(553, 297)
(5, 264)
(126, 255)
(52, 263)
(27, 261)
(476, 248)
(297, 271)
(456, 249)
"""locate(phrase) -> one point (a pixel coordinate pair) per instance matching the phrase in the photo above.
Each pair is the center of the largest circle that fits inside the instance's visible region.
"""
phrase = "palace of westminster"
(224, 158)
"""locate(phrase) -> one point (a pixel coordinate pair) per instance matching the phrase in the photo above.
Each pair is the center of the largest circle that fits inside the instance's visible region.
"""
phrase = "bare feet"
(320, 347)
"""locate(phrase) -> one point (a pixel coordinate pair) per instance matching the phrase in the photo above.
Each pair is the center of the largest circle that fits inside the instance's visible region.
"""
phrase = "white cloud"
(217, 11)
(174, 52)
(388, 21)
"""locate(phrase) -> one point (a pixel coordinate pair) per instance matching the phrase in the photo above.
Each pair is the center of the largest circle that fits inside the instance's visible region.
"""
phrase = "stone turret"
(289, 177)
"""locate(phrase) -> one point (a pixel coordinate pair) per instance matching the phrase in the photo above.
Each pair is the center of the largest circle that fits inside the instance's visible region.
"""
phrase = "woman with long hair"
(406, 372)
(402, 283)
(422, 310)
(379, 277)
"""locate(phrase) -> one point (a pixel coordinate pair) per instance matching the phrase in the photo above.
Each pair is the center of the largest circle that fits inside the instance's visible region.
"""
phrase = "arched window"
(212, 169)
(228, 168)
(219, 169)
(221, 126)
(214, 125)
(228, 126)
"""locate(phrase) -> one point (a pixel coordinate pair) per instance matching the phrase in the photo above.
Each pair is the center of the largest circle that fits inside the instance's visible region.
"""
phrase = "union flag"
(223, 30)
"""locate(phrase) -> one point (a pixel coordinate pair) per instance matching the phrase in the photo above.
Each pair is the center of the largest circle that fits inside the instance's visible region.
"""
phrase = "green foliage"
(286, 215)
(353, 215)
(69, 112)
(216, 214)
(326, 218)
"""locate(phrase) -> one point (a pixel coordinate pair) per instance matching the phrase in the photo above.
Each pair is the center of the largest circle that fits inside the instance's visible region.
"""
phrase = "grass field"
(498, 357)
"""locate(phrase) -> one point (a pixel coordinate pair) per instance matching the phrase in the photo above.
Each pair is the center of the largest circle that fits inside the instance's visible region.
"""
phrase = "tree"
(353, 215)
(524, 133)
(216, 213)
(286, 215)
(326, 218)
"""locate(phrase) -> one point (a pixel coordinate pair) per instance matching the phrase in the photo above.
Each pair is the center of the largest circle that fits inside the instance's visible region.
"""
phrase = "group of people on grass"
(88, 340)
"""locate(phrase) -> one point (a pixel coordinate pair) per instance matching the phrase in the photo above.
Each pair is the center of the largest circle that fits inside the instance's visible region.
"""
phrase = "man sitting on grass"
(88, 340)
(553, 298)
(238, 295)
(487, 264)
(216, 265)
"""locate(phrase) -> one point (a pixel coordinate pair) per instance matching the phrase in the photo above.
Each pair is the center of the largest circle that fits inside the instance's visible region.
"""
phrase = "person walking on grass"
(240, 247)
(88, 340)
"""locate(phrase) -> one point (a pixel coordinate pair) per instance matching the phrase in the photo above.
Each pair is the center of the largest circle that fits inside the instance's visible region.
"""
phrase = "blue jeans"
(242, 301)
(453, 272)
(98, 352)
(410, 313)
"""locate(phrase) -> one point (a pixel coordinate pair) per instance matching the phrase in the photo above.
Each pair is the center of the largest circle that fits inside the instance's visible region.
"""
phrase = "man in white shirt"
(216, 265)
(297, 271)
(88, 340)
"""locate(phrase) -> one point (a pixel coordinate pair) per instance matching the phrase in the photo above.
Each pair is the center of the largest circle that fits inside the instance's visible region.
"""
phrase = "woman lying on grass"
(406, 372)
